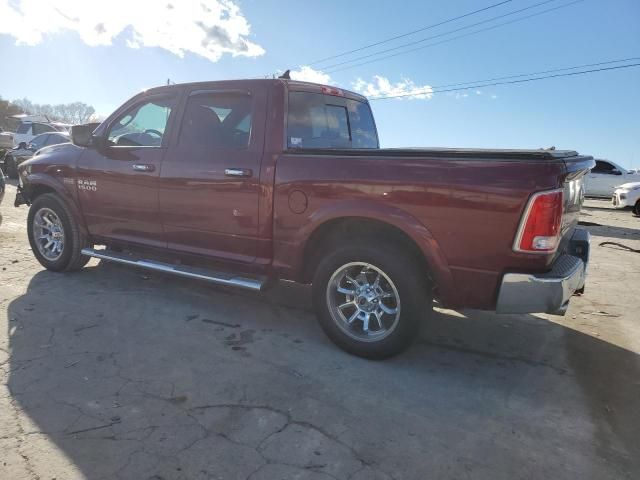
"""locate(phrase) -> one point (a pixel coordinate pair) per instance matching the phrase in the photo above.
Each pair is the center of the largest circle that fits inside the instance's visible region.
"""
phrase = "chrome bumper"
(548, 292)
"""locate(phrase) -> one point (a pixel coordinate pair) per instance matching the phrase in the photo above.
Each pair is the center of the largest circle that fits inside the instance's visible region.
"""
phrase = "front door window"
(143, 125)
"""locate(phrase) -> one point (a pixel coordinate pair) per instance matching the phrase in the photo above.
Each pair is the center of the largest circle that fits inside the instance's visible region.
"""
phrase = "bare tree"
(75, 112)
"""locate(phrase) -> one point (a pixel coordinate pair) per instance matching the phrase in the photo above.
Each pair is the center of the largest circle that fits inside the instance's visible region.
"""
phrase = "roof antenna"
(286, 75)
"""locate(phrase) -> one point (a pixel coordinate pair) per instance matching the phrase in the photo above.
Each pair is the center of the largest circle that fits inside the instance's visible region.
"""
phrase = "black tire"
(11, 169)
(636, 208)
(407, 277)
(74, 241)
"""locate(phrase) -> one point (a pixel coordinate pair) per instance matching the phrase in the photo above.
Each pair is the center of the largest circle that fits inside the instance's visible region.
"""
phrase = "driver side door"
(117, 181)
(601, 179)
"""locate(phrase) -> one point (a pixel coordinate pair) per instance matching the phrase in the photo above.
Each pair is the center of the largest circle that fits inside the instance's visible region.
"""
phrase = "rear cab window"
(39, 128)
(321, 121)
(24, 128)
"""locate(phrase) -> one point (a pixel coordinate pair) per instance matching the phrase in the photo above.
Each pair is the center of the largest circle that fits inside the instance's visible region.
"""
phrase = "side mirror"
(82, 135)
(22, 145)
(616, 172)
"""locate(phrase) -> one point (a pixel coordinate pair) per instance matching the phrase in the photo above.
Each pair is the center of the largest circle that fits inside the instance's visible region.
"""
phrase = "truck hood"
(62, 154)
(628, 186)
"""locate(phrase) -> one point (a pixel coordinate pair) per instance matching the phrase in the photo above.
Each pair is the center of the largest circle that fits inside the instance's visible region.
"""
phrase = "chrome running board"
(220, 278)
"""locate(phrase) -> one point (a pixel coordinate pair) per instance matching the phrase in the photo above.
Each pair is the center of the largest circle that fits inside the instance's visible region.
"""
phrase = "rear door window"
(217, 119)
(56, 139)
(325, 121)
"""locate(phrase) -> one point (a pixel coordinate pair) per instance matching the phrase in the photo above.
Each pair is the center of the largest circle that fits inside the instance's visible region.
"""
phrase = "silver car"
(24, 151)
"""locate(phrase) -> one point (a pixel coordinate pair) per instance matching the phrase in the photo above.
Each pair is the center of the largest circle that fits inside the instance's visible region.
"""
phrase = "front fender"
(35, 184)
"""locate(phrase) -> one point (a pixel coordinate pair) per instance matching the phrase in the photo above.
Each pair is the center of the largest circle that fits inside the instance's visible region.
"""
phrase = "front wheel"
(54, 235)
(636, 208)
(371, 301)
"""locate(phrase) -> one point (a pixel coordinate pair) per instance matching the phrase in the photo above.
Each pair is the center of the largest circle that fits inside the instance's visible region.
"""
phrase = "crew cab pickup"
(245, 182)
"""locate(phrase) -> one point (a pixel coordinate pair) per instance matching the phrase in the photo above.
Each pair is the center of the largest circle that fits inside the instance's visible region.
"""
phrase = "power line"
(456, 37)
(390, 39)
(538, 73)
(415, 42)
(429, 91)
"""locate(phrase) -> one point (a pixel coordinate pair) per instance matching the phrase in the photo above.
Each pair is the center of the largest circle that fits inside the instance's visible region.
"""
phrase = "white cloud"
(382, 87)
(209, 29)
(308, 74)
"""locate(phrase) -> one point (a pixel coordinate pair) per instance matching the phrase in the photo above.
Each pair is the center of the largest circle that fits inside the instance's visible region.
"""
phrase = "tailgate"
(577, 167)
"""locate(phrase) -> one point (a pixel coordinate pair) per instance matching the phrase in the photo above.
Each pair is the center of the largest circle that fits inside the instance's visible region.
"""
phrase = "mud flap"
(21, 198)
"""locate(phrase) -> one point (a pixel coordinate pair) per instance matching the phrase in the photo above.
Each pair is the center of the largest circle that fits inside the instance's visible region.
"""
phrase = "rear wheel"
(369, 300)
(636, 208)
(11, 167)
(54, 235)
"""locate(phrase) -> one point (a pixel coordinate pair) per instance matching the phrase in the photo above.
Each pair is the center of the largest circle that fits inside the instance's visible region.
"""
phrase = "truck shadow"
(622, 233)
(114, 366)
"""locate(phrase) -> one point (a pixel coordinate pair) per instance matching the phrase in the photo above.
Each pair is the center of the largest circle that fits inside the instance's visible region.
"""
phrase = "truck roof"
(295, 85)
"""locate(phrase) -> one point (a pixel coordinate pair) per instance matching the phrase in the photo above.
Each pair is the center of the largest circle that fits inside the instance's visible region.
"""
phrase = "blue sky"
(50, 61)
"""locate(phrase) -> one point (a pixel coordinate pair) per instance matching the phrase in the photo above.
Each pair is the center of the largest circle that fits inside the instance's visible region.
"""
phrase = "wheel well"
(360, 230)
(38, 190)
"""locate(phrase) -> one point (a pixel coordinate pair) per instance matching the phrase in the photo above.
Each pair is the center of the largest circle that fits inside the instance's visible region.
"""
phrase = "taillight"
(541, 225)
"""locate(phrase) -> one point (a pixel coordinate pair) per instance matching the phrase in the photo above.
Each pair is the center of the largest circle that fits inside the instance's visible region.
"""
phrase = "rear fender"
(395, 217)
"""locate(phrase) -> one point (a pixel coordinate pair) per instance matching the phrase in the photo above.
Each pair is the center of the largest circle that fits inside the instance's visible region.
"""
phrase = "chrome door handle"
(238, 172)
(142, 167)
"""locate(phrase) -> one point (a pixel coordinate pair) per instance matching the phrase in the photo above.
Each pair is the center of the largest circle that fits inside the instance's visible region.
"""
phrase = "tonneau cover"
(498, 154)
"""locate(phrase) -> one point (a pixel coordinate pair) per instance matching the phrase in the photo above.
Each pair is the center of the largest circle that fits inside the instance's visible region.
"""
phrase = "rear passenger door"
(209, 183)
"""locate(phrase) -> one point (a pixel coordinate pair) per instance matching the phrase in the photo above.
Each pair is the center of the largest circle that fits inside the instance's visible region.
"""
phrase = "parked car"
(28, 130)
(605, 177)
(22, 152)
(627, 195)
(245, 182)
(6, 140)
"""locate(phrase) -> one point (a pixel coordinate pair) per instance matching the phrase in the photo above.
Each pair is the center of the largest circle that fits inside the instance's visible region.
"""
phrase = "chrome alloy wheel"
(363, 301)
(48, 234)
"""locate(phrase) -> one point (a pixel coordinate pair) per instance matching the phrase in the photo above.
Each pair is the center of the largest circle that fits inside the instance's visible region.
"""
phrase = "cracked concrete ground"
(117, 373)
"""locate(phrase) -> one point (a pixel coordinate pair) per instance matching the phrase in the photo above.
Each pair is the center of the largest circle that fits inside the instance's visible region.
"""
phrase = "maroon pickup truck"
(244, 182)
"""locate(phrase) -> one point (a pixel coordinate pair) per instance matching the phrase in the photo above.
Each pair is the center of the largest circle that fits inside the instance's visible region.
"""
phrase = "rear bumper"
(548, 292)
